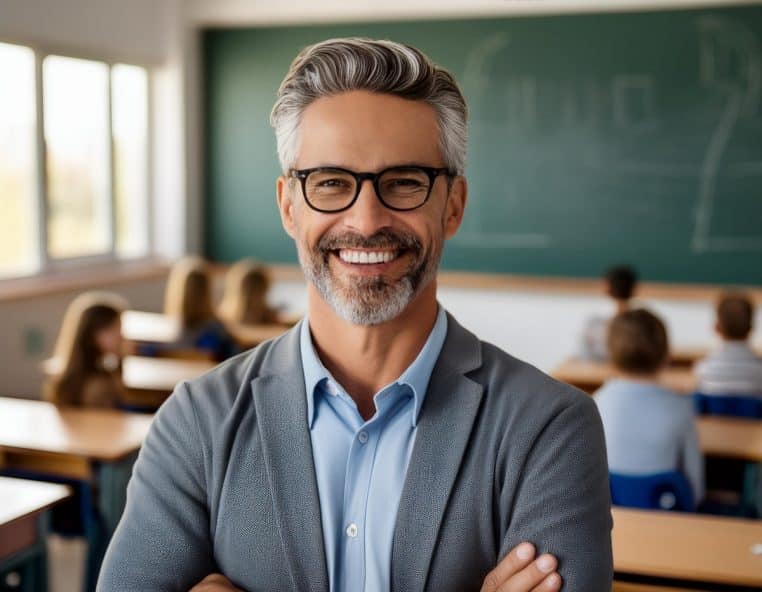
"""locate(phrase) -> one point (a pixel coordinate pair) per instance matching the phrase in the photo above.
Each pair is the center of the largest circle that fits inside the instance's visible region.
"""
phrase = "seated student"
(648, 429)
(245, 299)
(88, 352)
(188, 298)
(733, 369)
(620, 283)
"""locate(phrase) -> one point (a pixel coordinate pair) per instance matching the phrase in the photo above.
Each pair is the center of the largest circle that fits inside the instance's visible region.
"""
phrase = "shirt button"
(352, 530)
(362, 437)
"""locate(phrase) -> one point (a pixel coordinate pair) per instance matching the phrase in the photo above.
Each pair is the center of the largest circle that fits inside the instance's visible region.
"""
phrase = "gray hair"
(341, 65)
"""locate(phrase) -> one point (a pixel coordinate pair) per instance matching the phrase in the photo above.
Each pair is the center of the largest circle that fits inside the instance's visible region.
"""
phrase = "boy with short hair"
(619, 285)
(648, 428)
(734, 368)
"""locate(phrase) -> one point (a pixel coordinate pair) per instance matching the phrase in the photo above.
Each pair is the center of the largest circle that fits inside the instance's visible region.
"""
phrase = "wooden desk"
(150, 381)
(667, 545)
(151, 327)
(590, 376)
(94, 446)
(23, 528)
(731, 437)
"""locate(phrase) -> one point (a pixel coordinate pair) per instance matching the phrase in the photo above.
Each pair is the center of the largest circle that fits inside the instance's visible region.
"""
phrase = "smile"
(367, 257)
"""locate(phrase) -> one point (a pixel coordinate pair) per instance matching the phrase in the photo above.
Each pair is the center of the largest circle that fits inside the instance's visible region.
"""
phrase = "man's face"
(370, 262)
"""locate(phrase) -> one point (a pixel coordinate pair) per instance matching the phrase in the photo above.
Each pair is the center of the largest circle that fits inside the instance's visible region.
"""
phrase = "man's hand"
(518, 573)
(215, 583)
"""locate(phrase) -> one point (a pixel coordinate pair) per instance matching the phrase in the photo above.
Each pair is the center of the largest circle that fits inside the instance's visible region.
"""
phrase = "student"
(188, 299)
(648, 429)
(88, 352)
(620, 283)
(733, 369)
(245, 299)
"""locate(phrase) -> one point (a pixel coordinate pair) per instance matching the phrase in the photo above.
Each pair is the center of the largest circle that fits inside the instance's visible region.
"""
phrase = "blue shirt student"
(361, 465)
(650, 430)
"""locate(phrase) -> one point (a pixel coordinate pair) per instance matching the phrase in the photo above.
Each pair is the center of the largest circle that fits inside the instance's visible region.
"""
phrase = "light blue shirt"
(361, 465)
(650, 430)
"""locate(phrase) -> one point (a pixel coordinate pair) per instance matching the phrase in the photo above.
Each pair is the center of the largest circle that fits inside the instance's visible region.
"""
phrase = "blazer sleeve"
(562, 504)
(162, 542)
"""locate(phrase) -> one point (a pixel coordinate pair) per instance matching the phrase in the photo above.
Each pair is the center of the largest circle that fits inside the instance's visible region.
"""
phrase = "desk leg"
(112, 485)
(112, 479)
(752, 489)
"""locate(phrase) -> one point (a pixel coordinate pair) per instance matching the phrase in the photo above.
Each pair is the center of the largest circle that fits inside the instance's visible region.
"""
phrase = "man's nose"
(368, 215)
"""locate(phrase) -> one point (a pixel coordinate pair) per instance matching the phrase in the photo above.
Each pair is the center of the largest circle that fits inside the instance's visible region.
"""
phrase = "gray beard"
(369, 301)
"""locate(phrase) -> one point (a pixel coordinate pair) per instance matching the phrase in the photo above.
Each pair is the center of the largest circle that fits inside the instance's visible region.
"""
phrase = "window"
(18, 179)
(130, 129)
(75, 184)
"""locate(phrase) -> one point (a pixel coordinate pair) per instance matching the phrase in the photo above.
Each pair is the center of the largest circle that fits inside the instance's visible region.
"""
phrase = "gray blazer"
(225, 479)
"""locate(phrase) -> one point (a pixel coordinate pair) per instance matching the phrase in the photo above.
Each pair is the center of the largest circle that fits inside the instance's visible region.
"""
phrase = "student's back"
(188, 299)
(648, 429)
(619, 285)
(733, 369)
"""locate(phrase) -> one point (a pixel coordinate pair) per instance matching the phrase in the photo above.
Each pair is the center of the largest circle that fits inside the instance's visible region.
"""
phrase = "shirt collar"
(416, 376)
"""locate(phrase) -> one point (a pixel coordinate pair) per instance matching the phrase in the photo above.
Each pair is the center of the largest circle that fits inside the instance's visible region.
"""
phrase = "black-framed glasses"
(401, 188)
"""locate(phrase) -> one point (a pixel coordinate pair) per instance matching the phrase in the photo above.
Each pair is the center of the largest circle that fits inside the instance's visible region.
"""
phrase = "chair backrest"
(732, 405)
(659, 491)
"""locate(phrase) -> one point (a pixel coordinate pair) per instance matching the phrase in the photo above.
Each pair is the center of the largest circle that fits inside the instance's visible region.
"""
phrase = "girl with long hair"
(88, 353)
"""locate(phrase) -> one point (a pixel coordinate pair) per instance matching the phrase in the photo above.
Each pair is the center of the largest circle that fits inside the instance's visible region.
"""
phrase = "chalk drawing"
(724, 43)
(476, 78)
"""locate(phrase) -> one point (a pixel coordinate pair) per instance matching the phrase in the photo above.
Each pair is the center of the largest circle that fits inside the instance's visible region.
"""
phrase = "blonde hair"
(188, 296)
(245, 297)
(76, 356)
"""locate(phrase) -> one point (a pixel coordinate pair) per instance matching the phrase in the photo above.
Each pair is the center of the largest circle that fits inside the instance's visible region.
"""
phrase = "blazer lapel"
(444, 426)
(281, 408)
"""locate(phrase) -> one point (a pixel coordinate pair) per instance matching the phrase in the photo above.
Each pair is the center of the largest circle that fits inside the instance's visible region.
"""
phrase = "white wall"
(542, 328)
(134, 30)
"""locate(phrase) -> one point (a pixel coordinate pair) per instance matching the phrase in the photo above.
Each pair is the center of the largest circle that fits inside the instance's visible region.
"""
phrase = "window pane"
(130, 128)
(77, 142)
(18, 202)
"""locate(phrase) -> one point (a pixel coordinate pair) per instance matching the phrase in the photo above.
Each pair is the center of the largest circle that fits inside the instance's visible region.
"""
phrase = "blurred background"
(602, 132)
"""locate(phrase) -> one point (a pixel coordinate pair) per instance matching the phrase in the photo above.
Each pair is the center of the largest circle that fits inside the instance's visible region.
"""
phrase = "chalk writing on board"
(729, 60)
(618, 128)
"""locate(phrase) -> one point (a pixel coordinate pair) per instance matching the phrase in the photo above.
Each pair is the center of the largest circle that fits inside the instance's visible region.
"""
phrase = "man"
(378, 445)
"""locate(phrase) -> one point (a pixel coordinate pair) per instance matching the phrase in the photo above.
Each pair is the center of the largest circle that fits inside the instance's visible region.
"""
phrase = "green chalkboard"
(594, 139)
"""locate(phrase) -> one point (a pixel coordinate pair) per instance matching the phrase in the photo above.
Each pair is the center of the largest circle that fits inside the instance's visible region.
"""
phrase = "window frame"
(45, 264)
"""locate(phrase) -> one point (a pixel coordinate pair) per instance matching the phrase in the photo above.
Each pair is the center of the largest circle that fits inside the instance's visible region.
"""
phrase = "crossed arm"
(519, 571)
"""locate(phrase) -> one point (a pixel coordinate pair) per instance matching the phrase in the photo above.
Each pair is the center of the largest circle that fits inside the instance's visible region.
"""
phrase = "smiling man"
(378, 445)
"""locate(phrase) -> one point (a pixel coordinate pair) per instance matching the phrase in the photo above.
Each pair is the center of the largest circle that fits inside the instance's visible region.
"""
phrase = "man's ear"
(455, 207)
(286, 205)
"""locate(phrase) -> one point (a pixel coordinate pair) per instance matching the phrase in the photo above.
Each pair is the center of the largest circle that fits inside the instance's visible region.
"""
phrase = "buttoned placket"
(359, 471)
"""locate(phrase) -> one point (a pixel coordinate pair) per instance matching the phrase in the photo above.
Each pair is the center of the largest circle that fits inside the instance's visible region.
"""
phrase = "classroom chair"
(730, 405)
(660, 491)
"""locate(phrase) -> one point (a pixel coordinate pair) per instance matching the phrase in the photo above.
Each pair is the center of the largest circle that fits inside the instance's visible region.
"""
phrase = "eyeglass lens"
(334, 189)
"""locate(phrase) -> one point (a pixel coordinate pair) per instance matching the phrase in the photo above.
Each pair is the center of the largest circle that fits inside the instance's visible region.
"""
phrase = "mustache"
(383, 239)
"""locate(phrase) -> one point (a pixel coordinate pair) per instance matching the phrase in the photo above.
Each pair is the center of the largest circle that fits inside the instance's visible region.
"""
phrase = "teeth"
(366, 257)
